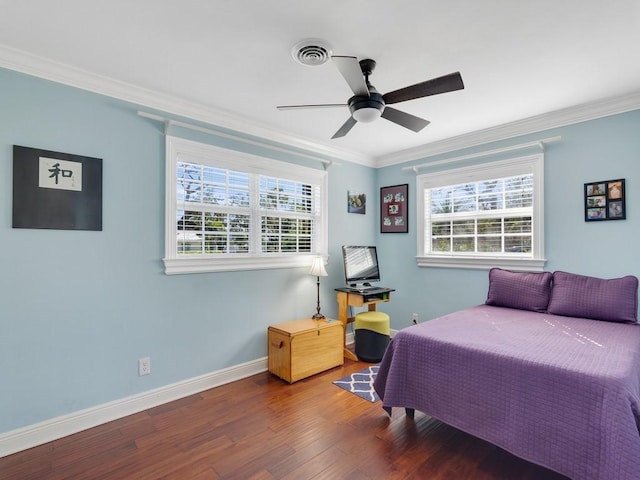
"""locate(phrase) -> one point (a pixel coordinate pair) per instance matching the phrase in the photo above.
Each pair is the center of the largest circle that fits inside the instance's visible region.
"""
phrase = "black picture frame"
(394, 209)
(605, 200)
(54, 190)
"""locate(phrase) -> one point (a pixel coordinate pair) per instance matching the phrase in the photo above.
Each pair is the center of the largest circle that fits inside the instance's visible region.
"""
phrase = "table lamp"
(317, 269)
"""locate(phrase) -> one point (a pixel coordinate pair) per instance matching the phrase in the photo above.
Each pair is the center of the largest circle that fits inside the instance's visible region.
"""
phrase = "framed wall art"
(56, 190)
(604, 200)
(394, 209)
(357, 203)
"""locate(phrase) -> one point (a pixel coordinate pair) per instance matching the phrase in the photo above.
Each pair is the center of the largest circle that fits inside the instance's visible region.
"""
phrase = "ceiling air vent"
(311, 52)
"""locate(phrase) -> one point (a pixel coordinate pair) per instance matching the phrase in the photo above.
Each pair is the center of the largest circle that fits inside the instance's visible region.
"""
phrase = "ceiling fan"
(367, 104)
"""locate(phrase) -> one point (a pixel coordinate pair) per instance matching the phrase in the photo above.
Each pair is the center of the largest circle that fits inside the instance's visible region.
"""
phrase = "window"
(228, 210)
(482, 216)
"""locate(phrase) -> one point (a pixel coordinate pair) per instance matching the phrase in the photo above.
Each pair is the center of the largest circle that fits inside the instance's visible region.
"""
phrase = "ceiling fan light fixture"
(366, 109)
(367, 114)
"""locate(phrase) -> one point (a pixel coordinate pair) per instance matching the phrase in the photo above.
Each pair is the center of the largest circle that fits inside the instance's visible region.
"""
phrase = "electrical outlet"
(144, 366)
(414, 318)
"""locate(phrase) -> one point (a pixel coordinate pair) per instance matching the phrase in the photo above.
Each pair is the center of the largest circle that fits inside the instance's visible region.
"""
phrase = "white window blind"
(491, 216)
(227, 210)
(481, 216)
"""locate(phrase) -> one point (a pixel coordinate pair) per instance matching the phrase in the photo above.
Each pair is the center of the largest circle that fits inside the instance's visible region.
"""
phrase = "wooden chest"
(302, 348)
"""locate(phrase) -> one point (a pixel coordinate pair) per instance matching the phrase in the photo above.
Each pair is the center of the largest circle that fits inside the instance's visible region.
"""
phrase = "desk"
(348, 298)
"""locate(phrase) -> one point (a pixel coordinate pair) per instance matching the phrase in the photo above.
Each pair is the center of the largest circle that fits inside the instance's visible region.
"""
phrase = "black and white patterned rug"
(361, 383)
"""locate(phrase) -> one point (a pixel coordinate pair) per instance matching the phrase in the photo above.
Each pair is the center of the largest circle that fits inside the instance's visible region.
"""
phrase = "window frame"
(179, 149)
(528, 164)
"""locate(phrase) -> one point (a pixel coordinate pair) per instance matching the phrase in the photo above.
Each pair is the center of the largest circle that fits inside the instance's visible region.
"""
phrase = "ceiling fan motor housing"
(366, 109)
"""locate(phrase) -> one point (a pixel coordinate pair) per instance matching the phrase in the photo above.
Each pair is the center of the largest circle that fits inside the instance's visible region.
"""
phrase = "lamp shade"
(317, 268)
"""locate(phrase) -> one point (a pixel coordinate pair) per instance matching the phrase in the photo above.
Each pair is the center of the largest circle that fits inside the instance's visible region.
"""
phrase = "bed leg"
(410, 412)
(388, 410)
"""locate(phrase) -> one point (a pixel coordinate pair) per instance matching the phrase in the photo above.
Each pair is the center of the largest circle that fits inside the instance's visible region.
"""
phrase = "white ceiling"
(229, 62)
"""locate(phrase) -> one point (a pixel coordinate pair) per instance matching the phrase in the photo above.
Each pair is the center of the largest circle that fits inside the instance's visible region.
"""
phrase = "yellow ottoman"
(371, 335)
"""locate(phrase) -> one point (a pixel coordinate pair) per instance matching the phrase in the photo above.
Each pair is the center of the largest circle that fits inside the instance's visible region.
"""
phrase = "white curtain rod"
(168, 122)
(536, 143)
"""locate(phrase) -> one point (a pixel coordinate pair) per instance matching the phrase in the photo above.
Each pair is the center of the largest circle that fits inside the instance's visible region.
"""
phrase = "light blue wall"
(603, 149)
(79, 308)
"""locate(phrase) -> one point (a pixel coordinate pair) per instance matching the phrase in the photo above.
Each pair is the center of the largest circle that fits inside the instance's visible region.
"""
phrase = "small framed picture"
(604, 200)
(394, 203)
(356, 203)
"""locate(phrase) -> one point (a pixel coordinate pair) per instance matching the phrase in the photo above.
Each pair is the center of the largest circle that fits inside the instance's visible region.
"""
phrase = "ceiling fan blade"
(322, 105)
(344, 129)
(404, 119)
(435, 86)
(350, 69)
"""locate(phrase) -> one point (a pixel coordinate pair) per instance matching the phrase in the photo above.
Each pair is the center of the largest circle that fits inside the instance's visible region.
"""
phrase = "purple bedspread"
(558, 391)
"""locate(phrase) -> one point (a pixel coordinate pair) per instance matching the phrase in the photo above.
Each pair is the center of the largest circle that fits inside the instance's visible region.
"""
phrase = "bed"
(547, 369)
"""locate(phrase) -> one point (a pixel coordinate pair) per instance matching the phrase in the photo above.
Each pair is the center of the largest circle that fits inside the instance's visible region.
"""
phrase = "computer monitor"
(360, 265)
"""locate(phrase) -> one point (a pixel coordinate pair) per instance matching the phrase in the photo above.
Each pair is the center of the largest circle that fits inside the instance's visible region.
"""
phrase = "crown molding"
(538, 123)
(24, 62)
(20, 61)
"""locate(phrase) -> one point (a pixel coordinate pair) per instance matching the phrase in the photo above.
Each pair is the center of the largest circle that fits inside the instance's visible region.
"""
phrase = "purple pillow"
(522, 290)
(614, 300)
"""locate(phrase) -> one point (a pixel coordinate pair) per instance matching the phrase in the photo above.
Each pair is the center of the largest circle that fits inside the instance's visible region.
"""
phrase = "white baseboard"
(55, 428)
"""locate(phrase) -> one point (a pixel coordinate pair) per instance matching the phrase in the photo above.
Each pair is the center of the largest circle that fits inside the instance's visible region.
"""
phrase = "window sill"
(200, 264)
(482, 263)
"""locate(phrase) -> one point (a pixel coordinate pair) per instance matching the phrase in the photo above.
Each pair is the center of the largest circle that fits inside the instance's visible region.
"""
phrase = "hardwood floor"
(263, 428)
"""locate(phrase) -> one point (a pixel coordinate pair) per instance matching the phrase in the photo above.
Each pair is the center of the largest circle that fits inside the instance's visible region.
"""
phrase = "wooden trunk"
(302, 348)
